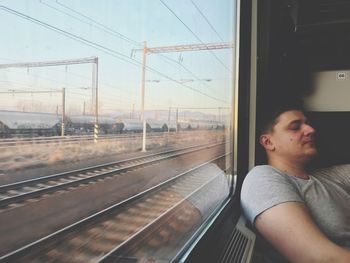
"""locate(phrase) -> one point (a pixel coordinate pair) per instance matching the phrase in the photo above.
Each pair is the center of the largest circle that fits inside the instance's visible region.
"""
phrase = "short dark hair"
(266, 120)
(269, 116)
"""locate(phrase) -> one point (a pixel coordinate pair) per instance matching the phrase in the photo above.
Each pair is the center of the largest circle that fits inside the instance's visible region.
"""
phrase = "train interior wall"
(299, 42)
(304, 59)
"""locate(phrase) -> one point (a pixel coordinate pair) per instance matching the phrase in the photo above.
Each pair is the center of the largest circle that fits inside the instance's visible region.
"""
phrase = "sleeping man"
(304, 215)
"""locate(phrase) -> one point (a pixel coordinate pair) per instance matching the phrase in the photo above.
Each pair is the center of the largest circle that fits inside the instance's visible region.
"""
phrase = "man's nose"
(309, 129)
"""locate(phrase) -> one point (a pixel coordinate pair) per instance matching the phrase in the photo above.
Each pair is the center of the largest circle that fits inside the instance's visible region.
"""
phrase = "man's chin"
(312, 153)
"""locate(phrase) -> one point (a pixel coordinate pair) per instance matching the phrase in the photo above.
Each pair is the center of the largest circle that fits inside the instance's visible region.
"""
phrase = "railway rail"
(109, 233)
(15, 193)
(15, 142)
(71, 139)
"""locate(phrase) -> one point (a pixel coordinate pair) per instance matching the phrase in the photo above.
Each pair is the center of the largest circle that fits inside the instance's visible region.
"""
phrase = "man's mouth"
(310, 142)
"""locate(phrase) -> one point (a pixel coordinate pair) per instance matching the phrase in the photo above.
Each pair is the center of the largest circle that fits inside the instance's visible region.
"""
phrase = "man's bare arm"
(291, 230)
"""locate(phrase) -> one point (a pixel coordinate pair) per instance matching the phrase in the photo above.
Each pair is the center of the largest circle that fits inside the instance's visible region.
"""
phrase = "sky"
(114, 31)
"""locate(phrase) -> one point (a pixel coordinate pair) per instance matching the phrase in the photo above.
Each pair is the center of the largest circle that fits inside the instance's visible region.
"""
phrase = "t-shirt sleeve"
(263, 188)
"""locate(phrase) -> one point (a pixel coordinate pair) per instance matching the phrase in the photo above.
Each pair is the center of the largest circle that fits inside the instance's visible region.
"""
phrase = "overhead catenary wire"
(72, 36)
(111, 31)
(103, 83)
(74, 87)
(195, 35)
(94, 23)
(30, 93)
(115, 32)
(46, 79)
(207, 20)
(101, 48)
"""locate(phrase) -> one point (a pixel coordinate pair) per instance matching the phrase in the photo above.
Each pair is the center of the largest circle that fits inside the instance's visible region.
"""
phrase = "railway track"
(11, 195)
(152, 216)
(19, 142)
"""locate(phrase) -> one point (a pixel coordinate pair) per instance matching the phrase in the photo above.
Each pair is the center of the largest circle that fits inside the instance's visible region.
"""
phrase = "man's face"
(292, 137)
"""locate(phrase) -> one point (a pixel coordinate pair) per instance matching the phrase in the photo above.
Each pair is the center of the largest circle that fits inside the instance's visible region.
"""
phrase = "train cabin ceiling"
(322, 15)
(322, 30)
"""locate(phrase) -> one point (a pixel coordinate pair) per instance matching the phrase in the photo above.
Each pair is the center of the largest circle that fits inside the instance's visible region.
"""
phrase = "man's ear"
(265, 141)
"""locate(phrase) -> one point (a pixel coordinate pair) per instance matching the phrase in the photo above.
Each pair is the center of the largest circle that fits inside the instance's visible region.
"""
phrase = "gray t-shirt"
(326, 194)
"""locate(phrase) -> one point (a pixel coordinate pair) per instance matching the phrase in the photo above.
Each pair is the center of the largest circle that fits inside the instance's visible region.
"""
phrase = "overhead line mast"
(49, 63)
(167, 49)
(189, 47)
(93, 60)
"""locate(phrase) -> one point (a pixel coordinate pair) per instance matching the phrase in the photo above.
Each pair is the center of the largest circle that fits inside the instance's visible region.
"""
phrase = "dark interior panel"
(295, 39)
(332, 137)
(319, 13)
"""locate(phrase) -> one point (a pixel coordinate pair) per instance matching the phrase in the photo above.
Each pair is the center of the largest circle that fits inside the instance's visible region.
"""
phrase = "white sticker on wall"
(341, 75)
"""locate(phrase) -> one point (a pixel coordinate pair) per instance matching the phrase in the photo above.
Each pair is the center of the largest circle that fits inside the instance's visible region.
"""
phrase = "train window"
(116, 127)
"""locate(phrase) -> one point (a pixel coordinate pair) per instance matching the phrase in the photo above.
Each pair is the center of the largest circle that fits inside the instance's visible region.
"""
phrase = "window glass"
(115, 126)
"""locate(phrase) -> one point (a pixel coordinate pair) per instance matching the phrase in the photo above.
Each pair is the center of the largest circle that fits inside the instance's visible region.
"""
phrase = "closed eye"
(295, 125)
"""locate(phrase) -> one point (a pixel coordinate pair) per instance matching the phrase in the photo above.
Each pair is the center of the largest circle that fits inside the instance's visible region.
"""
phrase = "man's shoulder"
(263, 171)
(264, 176)
(262, 168)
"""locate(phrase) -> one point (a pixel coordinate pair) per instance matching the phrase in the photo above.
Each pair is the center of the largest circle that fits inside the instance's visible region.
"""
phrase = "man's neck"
(292, 168)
